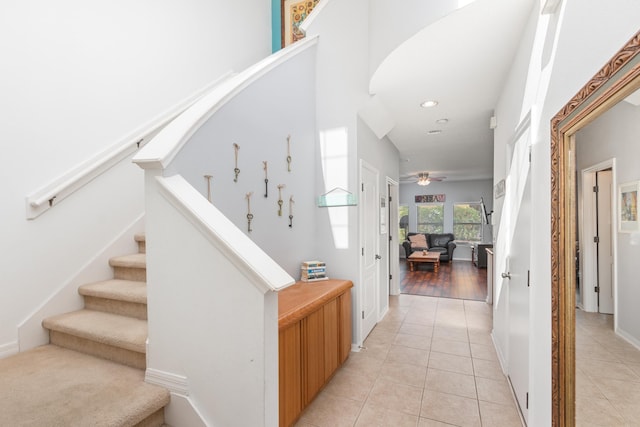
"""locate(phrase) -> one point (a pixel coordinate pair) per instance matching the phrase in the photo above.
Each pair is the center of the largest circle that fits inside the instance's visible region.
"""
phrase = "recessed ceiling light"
(434, 132)
(427, 104)
(442, 121)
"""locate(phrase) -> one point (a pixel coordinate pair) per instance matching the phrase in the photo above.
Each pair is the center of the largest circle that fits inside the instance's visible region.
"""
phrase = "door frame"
(361, 336)
(588, 255)
(393, 254)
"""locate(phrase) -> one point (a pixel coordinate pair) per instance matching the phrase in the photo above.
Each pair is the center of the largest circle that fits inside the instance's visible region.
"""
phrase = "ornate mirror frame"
(615, 81)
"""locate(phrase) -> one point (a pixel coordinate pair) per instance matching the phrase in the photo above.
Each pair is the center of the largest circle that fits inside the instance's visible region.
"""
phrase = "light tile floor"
(430, 362)
(607, 374)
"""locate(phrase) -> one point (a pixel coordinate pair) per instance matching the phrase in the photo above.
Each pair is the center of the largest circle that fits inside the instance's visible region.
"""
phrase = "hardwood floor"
(457, 279)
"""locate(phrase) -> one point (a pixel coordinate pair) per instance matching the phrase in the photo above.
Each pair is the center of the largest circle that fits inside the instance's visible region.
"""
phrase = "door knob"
(506, 275)
(378, 256)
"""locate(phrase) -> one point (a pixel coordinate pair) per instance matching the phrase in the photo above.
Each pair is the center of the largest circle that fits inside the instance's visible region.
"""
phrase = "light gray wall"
(384, 156)
(259, 120)
(615, 135)
(455, 192)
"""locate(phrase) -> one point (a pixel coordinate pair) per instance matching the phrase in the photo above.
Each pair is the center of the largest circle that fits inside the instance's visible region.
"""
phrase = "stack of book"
(313, 271)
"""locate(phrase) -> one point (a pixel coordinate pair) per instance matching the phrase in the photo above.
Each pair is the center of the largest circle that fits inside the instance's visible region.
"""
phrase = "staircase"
(92, 372)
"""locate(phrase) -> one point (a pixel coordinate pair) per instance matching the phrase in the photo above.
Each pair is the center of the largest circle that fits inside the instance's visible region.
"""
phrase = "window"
(403, 214)
(467, 221)
(431, 218)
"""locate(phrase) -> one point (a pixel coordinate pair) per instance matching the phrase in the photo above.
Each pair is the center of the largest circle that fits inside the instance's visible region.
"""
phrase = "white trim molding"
(177, 384)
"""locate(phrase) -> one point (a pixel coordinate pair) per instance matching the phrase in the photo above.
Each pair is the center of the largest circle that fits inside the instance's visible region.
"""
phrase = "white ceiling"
(462, 61)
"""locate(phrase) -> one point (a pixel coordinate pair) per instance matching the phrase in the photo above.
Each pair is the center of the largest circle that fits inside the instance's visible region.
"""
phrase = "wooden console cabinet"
(314, 323)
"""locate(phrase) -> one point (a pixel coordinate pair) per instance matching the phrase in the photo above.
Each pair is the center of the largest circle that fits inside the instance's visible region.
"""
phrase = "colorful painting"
(294, 13)
(430, 198)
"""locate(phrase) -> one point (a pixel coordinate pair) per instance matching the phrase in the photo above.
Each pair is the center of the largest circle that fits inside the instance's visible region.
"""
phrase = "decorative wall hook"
(280, 202)
(291, 202)
(208, 178)
(266, 179)
(289, 153)
(236, 170)
(249, 214)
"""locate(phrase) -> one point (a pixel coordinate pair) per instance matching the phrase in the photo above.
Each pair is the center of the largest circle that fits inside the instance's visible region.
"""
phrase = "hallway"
(429, 363)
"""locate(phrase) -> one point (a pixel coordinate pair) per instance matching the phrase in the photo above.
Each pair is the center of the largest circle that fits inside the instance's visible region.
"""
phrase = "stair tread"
(73, 389)
(138, 260)
(111, 329)
(140, 237)
(116, 289)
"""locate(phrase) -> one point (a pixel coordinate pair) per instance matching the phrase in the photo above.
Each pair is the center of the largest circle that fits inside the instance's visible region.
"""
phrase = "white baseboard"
(501, 359)
(629, 338)
(174, 383)
(181, 411)
(9, 349)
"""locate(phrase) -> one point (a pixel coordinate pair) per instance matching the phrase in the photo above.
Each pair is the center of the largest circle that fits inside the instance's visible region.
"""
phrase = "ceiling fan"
(421, 178)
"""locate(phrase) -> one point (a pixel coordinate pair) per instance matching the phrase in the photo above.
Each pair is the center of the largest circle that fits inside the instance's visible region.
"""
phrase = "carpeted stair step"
(123, 297)
(130, 267)
(140, 238)
(110, 336)
(54, 386)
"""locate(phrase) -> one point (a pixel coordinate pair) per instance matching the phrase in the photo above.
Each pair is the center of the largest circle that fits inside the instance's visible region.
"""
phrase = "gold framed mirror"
(617, 79)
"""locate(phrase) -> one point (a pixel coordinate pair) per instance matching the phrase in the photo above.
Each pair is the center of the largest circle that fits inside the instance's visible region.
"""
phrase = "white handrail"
(169, 142)
(51, 194)
(265, 274)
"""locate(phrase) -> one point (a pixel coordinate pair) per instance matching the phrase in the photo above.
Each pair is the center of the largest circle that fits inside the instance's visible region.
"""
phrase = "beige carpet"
(73, 389)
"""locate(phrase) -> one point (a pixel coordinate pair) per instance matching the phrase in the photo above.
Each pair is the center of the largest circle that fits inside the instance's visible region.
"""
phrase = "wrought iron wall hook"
(280, 201)
(266, 179)
(236, 170)
(249, 214)
(289, 153)
(291, 202)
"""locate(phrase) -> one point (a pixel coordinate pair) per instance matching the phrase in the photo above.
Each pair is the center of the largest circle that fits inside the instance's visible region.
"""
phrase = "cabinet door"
(313, 354)
(344, 308)
(331, 338)
(290, 375)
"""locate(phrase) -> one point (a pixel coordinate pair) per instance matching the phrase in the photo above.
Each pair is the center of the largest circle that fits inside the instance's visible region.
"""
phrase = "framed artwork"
(628, 207)
(293, 12)
(430, 198)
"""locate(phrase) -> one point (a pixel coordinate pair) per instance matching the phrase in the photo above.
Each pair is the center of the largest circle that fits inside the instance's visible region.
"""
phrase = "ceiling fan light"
(423, 179)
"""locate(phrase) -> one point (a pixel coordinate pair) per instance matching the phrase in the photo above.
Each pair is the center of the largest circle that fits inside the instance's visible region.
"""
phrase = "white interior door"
(370, 253)
(519, 262)
(605, 246)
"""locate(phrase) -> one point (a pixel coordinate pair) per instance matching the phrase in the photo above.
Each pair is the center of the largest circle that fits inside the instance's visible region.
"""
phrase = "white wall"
(589, 33)
(455, 192)
(615, 135)
(77, 78)
(392, 23)
(342, 90)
